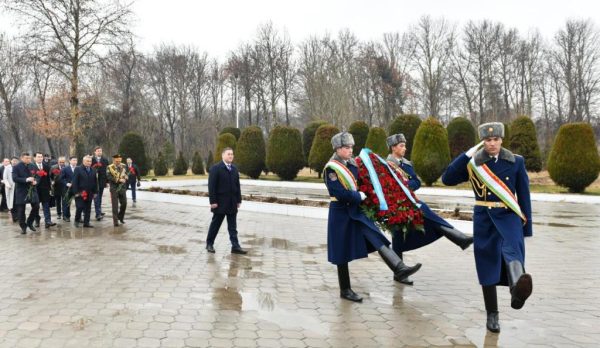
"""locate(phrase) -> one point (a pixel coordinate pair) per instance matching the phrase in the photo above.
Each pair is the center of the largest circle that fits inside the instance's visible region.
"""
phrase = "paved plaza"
(150, 283)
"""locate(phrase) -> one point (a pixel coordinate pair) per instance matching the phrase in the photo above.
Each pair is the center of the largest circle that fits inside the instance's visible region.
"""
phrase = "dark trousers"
(58, 199)
(66, 206)
(20, 213)
(46, 210)
(118, 201)
(84, 207)
(98, 200)
(132, 187)
(3, 205)
(215, 224)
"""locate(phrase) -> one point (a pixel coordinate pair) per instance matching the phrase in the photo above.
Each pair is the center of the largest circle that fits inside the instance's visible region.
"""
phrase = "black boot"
(491, 307)
(23, 229)
(520, 284)
(405, 280)
(30, 225)
(456, 236)
(344, 279)
(396, 265)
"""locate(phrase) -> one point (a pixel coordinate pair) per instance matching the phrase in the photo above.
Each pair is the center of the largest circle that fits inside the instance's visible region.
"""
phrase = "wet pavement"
(150, 283)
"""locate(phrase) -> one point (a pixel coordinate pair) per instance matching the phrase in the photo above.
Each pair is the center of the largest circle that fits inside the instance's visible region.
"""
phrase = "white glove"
(474, 149)
(363, 196)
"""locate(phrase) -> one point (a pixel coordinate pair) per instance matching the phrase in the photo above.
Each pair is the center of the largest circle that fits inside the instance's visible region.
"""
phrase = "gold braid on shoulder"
(478, 186)
(115, 174)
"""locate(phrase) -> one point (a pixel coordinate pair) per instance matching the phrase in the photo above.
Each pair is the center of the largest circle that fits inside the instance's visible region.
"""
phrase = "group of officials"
(35, 180)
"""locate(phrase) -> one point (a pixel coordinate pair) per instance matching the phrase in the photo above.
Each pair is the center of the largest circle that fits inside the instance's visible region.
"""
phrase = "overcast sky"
(218, 26)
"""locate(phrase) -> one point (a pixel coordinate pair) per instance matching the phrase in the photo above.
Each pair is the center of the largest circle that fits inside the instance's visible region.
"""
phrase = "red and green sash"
(344, 175)
(494, 184)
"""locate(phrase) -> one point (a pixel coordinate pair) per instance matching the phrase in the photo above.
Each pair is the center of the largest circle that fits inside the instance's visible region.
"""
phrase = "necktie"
(229, 167)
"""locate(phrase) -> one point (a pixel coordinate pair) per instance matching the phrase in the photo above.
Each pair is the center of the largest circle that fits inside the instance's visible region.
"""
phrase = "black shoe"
(238, 250)
(50, 224)
(98, 218)
(88, 226)
(31, 227)
(102, 214)
(66, 219)
(122, 221)
(116, 224)
(210, 249)
(520, 284)
(493, 323)
(59, 216)
(77, 224)
(405, 281)
(395, 263)
(350, 295)
(37, 224)
(23, 230)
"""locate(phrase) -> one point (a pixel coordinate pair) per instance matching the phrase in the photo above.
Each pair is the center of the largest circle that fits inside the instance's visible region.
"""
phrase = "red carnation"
(84, 195)
(132, 170)
(42, 173)
(55, 171)
(97, 165)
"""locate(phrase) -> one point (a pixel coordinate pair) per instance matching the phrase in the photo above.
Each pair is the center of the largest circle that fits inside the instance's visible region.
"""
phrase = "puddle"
(284, 244)
(265, 305)
(554, 224)
(171, 249)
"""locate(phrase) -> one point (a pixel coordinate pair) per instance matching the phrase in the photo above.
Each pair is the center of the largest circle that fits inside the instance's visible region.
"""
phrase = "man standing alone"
(225, 198)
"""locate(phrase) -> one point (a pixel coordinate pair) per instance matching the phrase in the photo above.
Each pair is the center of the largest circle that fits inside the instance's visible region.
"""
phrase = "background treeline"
(65, 86)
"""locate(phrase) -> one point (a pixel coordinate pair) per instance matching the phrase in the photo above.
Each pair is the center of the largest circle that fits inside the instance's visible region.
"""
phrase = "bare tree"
(577, 54)
(12, 80)
(433, 41)
(69, 31)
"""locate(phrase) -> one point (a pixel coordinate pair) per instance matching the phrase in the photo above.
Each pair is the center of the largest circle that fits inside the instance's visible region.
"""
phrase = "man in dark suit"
(43, 187)
(99, 164)
(134, 177)
(25, 178)
(85, 187)
(225, 198)
(3, 205)
(64, 181)
(57, 186)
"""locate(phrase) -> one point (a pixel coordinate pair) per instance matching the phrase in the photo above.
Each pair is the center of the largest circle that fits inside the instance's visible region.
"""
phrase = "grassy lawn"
(539, 182)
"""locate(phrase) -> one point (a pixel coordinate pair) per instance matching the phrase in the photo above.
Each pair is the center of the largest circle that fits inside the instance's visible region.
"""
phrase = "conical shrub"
(523, 141)
(431, 153)
(461, 135)
(283, 152)
(321, 150)
(250, 154)
(376, 141)
(360, 132)
(406, 124)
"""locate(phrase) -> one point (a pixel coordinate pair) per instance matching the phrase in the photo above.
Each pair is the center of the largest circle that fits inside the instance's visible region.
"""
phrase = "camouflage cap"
(395, 139)
(342, 139)
(490, 130)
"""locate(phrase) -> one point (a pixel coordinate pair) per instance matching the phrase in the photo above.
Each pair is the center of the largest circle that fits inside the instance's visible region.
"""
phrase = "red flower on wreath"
(401, 214)
(132, 170)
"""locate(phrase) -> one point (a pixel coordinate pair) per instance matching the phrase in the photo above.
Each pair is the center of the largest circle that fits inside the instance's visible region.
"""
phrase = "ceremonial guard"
(118, 180)
(350, 234)
(501, 216)
(434, 227)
